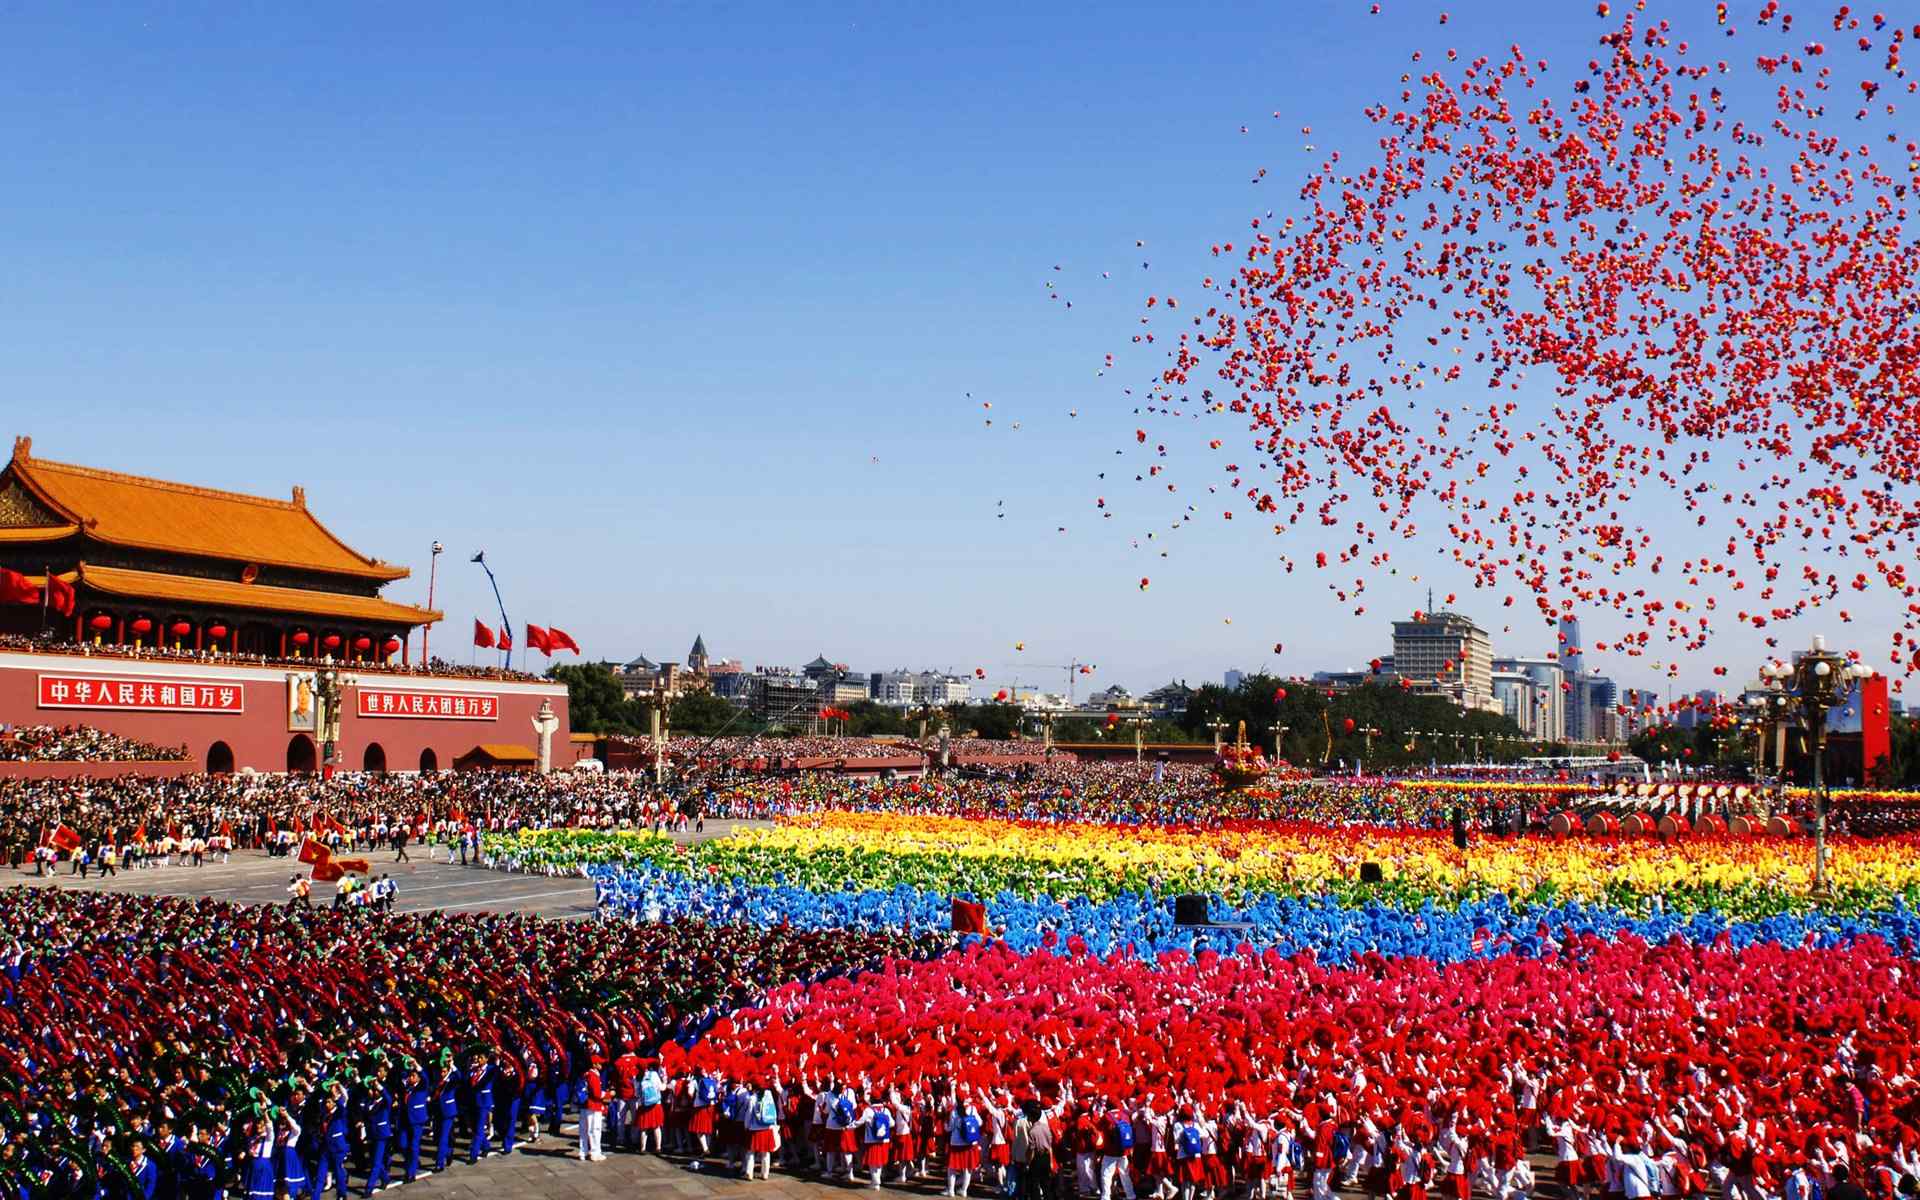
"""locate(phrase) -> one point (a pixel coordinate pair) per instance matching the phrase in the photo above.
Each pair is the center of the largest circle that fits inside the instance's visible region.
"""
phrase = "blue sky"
(687, 313)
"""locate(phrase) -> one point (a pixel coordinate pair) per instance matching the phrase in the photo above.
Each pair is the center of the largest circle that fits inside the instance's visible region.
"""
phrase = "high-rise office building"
(1450, 651)
(1571, 653)
(1545, 697)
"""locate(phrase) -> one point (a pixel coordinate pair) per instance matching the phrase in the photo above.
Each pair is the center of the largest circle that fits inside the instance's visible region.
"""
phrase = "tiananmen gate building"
(186, 615)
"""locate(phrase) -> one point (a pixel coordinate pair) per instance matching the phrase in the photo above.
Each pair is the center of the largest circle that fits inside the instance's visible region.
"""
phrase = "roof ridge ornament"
(22, 446)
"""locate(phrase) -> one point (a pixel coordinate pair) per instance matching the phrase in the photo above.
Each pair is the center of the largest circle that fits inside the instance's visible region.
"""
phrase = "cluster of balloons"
(1704, 257)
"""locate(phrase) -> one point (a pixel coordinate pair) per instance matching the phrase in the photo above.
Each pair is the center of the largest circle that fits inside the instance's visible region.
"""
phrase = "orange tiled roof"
(153, 514)
(505, 752)
(222, 593)
(38, 533)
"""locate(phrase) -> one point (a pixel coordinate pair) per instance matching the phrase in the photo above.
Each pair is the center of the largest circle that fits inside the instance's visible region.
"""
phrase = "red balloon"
(1347, 725)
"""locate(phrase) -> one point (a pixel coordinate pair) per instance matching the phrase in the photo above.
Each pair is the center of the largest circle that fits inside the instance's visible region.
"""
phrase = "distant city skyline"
(1047, 679)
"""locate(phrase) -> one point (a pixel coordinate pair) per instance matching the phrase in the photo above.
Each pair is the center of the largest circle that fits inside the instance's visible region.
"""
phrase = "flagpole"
(505, 622)
(46, 593)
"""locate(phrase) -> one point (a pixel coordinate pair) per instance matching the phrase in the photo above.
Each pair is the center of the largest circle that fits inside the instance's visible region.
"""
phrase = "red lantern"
(141, 626)
(101, 621)
(363, 643)
(216, 632)
(301, 637)
(392, 646)
(181, 629)
(331, 641)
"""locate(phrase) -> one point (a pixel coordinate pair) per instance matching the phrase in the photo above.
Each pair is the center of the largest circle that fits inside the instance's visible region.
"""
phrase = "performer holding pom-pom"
(963, 1143)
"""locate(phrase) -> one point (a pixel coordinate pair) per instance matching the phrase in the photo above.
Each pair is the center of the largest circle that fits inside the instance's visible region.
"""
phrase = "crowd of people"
(79, 743)
(795, 996)
(300, 1051)
(369, 809)
(1670, 1071)
(169, 1047)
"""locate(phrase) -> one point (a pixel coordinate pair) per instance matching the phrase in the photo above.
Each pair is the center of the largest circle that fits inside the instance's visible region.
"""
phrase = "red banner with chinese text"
(438, 706)
(141, 695)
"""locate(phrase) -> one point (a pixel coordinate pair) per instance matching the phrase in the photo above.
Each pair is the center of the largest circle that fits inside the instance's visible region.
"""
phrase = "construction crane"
(1073, 669)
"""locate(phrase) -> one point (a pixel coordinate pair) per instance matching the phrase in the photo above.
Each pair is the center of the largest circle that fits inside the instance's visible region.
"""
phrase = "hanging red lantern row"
(392, 646)
(100, 622)
(331, 641)
(180, 629)
(216, 632)
(141, 626)
(301, 637)
(362, 644)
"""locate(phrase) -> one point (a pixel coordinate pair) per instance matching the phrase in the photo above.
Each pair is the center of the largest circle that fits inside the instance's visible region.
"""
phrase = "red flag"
(505, 638)
(538, 639)
(329, 871)
(482, 636)
(16, 588)
(560, 640)
(969, 917)
(60, 595)
(299, 826)
(226, 830)
(314, 852)
(359, 866)
(140, 835)
(64, 838)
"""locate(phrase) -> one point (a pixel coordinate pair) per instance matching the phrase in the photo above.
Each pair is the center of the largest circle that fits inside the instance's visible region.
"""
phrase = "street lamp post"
(327, 683)
(1279, 734)
(1217, 725)
(1369, 732)
(433, 573)
(1820, 679)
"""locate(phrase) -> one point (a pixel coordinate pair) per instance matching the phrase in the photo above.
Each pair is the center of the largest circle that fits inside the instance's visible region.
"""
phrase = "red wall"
(259, 735)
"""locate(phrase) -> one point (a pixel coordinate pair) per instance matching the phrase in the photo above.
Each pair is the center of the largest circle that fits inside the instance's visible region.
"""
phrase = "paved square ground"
(427, 883)
(550, 1169)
